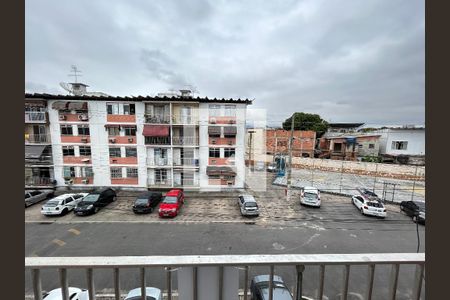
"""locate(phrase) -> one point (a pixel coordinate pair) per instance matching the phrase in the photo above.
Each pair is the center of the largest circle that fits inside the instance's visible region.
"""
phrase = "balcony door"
(39, 133)
(160, 156)
(186, 115)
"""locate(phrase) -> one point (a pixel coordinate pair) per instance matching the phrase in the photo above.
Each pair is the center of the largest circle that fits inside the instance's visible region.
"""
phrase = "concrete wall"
(414, 137)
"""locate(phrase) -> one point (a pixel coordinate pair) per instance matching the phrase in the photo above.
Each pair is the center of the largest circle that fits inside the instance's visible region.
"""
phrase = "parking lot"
(222, 207)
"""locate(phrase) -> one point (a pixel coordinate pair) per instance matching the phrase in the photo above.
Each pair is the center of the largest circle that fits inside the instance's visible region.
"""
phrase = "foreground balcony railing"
(37, 138)
(36, 117)
(38, 181)
(185, 140)
(157, 119)
(191, 269)
(190, 162)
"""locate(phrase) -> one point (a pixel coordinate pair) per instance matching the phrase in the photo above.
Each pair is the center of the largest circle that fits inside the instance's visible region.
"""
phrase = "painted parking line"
(74, 231)
(59, 242)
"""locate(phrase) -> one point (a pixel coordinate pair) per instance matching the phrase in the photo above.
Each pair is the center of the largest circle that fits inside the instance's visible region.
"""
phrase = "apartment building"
(146, 142)
(38, 147)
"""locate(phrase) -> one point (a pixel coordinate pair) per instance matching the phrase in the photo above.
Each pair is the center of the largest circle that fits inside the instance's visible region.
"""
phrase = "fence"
(208, 276)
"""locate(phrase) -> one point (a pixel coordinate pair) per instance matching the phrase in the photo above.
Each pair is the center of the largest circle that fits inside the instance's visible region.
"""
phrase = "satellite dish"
(66, 86)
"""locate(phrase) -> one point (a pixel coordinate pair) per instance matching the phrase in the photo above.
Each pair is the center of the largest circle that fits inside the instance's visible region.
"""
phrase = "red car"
(171, 204)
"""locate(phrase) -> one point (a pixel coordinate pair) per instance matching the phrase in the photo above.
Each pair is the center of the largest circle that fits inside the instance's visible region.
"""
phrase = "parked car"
(248, 205)
(36, 196)
(272, 167)
(259, 288)
(146, 202)
(368, 194)
(310, 196)
(92, 203)
(414, 209)
(171, 204)
(150, 292)
(260, 166)
(62, 204)
(369, 206)
(74, 294)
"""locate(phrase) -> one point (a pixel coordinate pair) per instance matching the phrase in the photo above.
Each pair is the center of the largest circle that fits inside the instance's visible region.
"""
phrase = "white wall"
(414, 137)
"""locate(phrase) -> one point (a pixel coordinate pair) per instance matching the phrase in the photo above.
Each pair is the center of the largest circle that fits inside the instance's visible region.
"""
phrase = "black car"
(414, 209)
(259, 288)
(146, 202)
(94, 201)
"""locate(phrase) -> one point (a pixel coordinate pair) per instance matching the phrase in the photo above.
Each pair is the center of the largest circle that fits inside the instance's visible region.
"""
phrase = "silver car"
(36, 196)
(151, 293)
(248, 205)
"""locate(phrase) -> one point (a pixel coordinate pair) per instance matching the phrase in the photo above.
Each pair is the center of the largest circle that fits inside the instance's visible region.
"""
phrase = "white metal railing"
(158, 161)
(186, 161)
(38, 181)
(157, 119)
(35, 117)
(184, 119)
(300, 261)
(185, 140)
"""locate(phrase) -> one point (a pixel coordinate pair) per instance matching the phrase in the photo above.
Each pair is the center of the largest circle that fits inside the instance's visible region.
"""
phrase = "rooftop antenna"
(75, 70)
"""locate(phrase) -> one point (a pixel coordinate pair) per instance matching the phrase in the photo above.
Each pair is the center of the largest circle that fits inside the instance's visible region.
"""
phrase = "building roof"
(345, 125)
(351, 136)
(139, 98)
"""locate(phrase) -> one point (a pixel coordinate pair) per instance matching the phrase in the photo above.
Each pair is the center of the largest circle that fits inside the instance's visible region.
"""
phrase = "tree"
(306, 121)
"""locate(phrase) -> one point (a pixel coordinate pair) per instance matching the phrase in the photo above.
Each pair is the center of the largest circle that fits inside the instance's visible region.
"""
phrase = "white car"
(310, 196)
(36, 196)
(150, 292)
(369, 207)
(62, 204)
(74, 294)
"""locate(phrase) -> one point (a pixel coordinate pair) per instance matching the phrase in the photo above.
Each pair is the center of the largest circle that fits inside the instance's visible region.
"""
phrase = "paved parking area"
(222, 207)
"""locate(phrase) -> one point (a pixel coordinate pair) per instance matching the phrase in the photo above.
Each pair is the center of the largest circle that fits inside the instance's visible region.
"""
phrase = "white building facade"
(147, 142)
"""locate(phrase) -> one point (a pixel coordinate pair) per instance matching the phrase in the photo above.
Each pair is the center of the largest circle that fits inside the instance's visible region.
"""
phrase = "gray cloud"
(345, 60)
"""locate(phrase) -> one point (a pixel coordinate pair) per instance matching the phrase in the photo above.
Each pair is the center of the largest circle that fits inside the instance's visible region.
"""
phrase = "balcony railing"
(150, 140)
(35, 117)
(38, 181)
(191, 268)
(193, 162)
(185, 140)
(157, 119)
(37, 138)
(158, 161)
(187, 183)
(184, 119)
(41, 160)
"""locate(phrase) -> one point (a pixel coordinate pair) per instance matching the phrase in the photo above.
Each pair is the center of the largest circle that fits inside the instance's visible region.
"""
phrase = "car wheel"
(64, 212)
(96, 209)
(362, 211)
(151, 209)
(114, 198)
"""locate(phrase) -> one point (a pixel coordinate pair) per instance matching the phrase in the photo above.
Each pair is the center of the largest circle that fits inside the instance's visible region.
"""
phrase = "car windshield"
(421, 205)
(141, 201)
(250, 204)
(310, 195)
(91, 198)
(375, 204)
(52, 203)
(170, 199)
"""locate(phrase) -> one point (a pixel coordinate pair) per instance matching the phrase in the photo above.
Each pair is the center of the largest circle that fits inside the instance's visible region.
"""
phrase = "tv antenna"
(75, 72)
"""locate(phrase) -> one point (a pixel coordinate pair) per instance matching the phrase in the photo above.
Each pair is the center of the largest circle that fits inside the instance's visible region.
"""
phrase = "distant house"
(336, 129)
(349, 147)
(405, 145)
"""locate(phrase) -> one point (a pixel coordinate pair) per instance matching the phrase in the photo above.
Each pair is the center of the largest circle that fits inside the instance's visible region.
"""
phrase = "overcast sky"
(348, 61)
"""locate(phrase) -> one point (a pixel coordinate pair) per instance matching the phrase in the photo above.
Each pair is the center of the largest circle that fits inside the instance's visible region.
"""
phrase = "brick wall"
(121, 118)
(75, 139)
(123, 160)
(75, 159)
(124, 180)
(222, 141)
(278, 140)
(122, 139)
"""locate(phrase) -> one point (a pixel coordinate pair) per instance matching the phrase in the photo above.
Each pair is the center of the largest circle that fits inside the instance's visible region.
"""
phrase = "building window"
(85, 150)
(229, 152)
(114, 152)
(129, 109)
(66, 130)
(214, 177)
(130, 131)
(83, 130)
(87, 172)
(214, 152)
(114, 131)
(132, 172)
(371, 146)
(399, 145)
(360, 146)
(68, 151)
(112, 108)
(130, 152)
(214, 110)
(230, 110)
(160, 176)
(116, 172)
(68, 172)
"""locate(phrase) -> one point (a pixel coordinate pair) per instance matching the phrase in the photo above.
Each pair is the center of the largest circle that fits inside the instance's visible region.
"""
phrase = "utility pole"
(289, 174)
(251, 132)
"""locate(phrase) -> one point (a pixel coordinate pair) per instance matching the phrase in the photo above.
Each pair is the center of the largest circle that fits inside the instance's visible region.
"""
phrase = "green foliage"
(369, 158)
(306, 121)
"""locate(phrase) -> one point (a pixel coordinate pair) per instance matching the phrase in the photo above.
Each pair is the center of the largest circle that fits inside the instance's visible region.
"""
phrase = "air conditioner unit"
(114, 160)
(85, 181)
(212, 120)
(230, 142)
(232, 121)
(62, 117)
(85, 160)
(213, 161)
(68, 181)
(112, 140)
(83, 117)
(213, 142)
(84, 140)
(130, 140)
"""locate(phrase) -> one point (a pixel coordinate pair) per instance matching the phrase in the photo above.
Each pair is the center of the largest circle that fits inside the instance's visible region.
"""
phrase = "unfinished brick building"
(277, 141)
